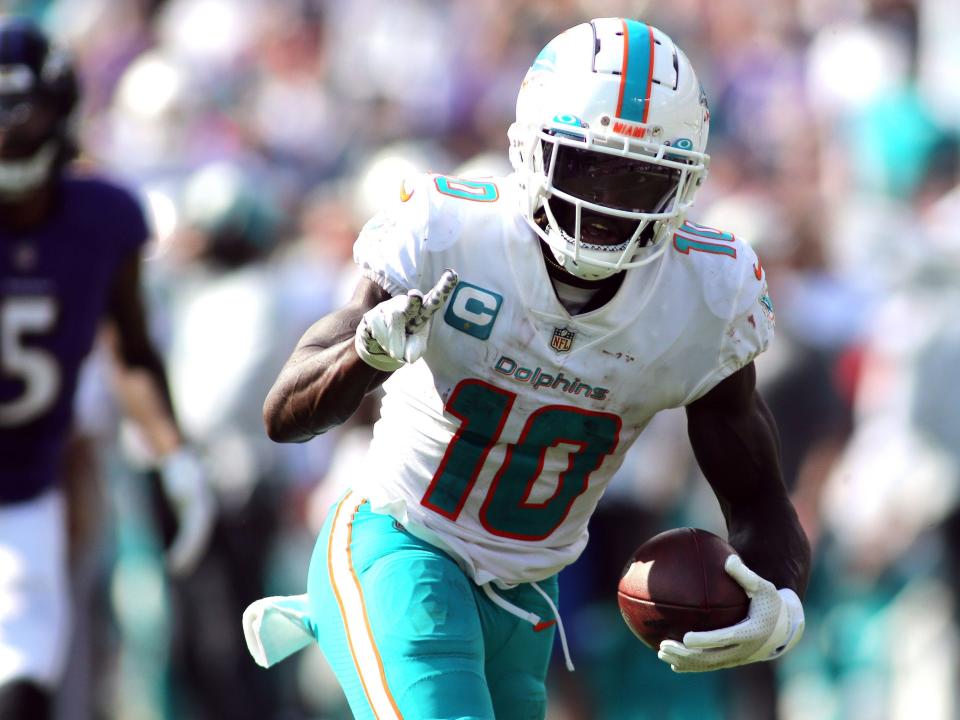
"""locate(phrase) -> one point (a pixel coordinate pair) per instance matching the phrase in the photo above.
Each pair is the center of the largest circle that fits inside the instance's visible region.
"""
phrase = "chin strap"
(18, 177)
(603, 290)
(556, 271)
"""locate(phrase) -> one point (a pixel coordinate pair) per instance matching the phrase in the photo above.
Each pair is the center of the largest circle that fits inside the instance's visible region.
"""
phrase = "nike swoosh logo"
(543, 625)
(404, 195)
(758, 270)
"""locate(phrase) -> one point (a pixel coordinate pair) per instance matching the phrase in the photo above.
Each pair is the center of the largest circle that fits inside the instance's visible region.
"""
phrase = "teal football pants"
(409, 635)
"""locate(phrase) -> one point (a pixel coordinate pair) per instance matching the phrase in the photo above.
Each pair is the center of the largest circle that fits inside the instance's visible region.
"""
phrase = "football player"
(526, 329)
(69, 259)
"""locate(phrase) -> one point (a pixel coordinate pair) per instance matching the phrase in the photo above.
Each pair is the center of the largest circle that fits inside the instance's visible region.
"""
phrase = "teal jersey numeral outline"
(475, 190)
(685, 240)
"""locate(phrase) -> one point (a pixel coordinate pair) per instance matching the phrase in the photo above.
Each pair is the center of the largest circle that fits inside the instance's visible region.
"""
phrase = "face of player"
(28, 145)
(613, 181)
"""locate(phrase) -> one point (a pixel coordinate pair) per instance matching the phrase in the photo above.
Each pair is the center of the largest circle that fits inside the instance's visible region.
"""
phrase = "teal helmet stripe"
(547, 58)
(637, 71)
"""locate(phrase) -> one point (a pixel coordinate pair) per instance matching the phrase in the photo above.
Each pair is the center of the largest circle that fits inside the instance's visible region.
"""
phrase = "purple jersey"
(55, 280)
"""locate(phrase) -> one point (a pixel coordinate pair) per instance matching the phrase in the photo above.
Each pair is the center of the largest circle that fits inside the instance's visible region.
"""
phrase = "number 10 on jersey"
(507, 509)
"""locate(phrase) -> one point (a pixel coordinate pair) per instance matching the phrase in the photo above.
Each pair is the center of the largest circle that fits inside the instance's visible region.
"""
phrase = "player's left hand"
(185, 486)
(773, 625)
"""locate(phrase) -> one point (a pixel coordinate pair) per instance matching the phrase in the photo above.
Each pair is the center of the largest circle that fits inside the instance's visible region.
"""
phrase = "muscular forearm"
(768, 532)
(739, 455)
(324, 381)
(318, 388)
(768, 536)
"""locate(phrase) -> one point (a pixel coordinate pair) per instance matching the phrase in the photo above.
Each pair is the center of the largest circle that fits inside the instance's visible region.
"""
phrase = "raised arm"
(324, 380)
(347, 354)
(735, 441)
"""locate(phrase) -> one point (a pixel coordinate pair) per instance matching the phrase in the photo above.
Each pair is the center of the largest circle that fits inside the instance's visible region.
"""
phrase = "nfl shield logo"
(562, 339)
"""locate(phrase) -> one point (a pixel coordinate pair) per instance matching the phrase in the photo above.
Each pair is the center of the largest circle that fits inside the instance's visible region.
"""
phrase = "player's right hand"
(773, 625)
(395, 332)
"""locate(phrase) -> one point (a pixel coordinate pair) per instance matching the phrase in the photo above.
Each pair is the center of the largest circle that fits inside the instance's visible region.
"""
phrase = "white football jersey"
(498, 443)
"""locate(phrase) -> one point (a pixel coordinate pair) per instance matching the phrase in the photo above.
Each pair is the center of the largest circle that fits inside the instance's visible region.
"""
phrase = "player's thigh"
(397, 620)
(518, 654)
(34, 618)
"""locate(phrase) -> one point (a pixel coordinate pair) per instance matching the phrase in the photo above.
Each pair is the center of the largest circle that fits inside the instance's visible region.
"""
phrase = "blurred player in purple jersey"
(69, 262)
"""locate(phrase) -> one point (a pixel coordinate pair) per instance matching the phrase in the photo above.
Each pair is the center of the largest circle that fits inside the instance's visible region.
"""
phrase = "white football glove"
(395, 332)
(773, 625)
(185, 485)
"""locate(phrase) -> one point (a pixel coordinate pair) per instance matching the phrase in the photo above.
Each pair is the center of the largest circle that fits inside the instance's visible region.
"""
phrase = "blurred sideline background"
(261, 134)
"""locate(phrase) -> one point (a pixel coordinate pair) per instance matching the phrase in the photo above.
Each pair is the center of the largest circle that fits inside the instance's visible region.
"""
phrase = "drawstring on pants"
(533, 618)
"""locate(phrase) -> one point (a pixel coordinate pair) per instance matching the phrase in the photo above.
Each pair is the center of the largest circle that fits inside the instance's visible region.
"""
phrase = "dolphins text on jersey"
(519, 414)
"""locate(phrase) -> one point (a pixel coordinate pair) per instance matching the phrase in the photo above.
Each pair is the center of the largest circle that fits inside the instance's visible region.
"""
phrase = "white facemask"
(19, 177)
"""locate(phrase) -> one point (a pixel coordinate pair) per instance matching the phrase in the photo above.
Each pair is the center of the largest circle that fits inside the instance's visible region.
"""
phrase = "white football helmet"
(609, 144)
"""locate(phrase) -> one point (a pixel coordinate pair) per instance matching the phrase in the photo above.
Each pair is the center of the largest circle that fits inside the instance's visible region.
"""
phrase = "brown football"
(675, 582)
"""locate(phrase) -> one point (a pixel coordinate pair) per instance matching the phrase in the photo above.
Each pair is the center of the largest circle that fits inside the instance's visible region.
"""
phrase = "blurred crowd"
(261, 134)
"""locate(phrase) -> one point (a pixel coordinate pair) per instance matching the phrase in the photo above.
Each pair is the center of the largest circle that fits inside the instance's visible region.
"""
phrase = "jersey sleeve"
(127, 223)
(390, 247)
(744, 304)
